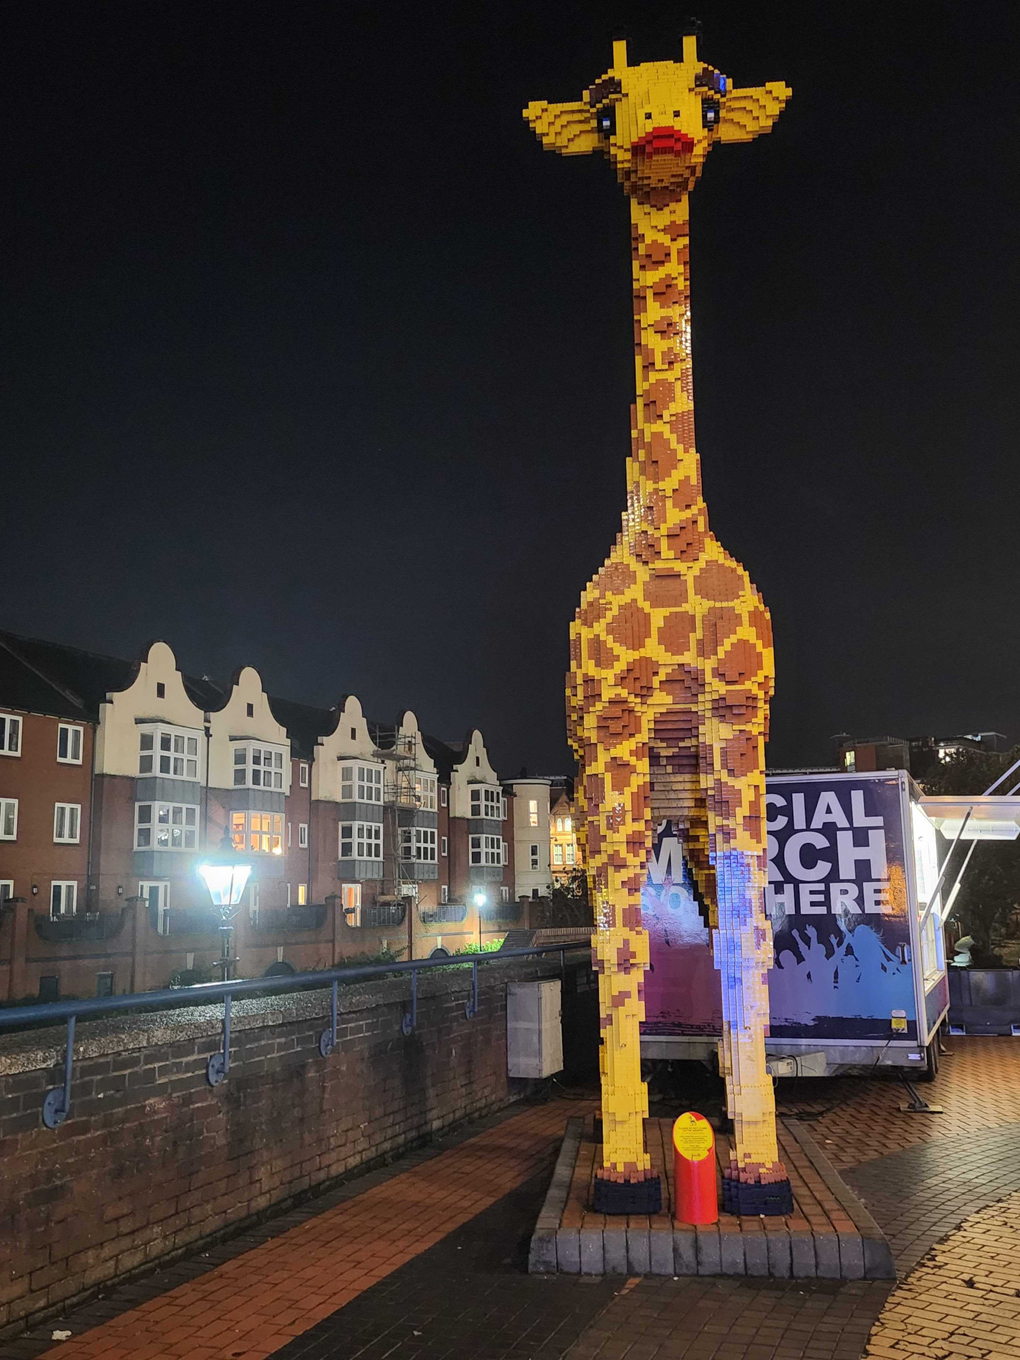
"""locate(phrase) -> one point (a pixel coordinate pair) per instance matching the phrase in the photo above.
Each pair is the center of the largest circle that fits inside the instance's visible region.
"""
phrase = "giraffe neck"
(666, 515)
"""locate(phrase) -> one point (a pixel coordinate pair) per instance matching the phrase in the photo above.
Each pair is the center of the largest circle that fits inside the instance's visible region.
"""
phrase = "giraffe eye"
(605, 120)
(710, 114)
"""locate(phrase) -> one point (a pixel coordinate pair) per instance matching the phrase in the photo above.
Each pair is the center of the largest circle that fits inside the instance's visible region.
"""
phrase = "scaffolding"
(401, 800)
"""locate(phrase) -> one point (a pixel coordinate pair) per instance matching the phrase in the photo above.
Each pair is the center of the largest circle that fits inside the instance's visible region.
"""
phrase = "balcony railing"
(99, 925)
(306, 916)
(445, 913)
(382, 914)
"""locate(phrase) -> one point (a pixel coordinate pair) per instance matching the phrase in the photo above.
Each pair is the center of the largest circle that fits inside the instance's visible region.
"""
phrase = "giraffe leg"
(733, 778)
(617, 800)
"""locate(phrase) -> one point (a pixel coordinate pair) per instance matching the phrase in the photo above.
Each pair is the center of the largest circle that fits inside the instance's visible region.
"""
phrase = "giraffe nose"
(663, 141)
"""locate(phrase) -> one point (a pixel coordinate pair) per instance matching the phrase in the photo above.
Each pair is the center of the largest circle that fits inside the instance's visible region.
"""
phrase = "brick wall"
(153, 1161)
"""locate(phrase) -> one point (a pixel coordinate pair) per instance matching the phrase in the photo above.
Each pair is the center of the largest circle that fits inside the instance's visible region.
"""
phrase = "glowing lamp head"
(226, 876)
(479, 898)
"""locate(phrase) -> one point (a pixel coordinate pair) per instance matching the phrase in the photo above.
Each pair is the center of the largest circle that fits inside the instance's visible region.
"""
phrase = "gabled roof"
(65, 682)
(305, 724)
(46, 677)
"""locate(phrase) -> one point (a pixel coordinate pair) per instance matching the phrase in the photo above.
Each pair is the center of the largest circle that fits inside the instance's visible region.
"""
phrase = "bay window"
(166, 826)
(172, 751)
(258, 833)
(258, 767)
(361, 782)
(361, 840)
(426, 788)
(418, 843)
(487, 850)
(487, 802)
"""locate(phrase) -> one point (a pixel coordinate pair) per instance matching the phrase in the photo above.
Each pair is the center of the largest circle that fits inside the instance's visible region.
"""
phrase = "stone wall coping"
(124, 1033)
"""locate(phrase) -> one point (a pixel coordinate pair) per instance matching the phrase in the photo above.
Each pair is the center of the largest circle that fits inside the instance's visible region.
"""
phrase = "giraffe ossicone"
(671, 667)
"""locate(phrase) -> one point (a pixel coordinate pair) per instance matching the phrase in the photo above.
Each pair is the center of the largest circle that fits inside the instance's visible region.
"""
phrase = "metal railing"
(57, 1103)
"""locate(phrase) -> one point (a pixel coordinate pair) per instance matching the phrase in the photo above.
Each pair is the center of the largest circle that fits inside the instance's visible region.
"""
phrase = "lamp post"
(480, 900)
(226, 876)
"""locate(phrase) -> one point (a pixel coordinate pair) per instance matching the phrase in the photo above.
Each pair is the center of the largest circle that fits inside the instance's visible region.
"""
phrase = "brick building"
(118, 777)
(565, 851)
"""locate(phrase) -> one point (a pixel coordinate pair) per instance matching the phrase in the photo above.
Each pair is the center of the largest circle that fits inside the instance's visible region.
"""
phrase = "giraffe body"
(671, 652)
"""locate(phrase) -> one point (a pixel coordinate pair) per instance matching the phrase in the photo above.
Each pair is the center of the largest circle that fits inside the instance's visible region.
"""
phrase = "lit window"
(361, 840)
(63, 899)
(302, 894)
(66, 822)
(568, 824)
(487, 850)
(172, 751)
(487, 802)
(302, 835)
(10, 735)
(166, 826)
(533, 812)
(69, 744)
(559, 823)
(361, 783)
(8, 819)
(303, 775)
(534, 857)
(557, 854)
(570, 853)
(258, 767)
(418, 843)
(258, 833)
(425, 790)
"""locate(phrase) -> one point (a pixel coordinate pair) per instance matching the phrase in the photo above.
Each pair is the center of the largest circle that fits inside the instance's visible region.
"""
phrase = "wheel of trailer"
(931, 1061)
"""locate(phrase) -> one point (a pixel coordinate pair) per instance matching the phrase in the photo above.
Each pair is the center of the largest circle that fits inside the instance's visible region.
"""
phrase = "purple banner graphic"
(837, 900)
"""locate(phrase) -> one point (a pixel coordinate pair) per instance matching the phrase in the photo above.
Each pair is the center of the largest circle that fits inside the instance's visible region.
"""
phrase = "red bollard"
(697, 1200)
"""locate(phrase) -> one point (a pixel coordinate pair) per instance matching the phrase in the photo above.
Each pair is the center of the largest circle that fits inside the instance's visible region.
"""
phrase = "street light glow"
(226, 882)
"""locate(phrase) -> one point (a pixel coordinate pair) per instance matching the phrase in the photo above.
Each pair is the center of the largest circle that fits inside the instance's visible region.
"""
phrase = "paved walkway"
(424, 1260)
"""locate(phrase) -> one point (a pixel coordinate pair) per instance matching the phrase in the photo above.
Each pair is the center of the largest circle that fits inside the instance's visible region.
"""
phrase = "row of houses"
(117, 778)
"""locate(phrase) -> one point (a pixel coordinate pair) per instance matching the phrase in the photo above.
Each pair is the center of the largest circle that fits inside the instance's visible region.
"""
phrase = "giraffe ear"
(743, 114)
(566, 128)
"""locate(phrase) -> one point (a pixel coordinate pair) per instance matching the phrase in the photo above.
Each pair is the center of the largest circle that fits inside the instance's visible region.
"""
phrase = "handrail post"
(57, 1103)
(327, 1039)
(410, 1018)
(219, 1063)
(471, 1009)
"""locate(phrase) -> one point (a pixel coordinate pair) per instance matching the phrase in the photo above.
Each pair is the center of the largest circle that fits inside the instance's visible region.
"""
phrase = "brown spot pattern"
(720, 581)
(676, 631)
(630, 626)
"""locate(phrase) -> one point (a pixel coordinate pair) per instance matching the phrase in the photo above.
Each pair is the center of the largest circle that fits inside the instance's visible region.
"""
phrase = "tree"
(986, 905)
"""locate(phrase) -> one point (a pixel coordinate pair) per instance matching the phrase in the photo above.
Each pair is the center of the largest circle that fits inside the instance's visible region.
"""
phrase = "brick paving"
(857, 1119)
(963, 1300)
(253, 1304)
(426, 1261)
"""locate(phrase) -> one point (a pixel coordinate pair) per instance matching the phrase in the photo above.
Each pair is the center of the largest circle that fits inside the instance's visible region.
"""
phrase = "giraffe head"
(658, 121)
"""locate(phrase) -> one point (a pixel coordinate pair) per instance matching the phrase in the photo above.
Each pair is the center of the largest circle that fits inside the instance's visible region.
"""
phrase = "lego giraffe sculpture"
(671, 652)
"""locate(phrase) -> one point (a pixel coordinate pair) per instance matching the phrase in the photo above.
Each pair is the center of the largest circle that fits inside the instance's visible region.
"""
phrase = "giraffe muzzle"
(663, 141)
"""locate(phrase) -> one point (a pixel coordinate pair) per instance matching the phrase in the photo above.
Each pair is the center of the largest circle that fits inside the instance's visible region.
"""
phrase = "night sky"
(314, 360)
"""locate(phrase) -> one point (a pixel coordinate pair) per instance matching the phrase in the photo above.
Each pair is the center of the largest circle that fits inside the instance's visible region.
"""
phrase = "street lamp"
(226, 876)
(480, 900)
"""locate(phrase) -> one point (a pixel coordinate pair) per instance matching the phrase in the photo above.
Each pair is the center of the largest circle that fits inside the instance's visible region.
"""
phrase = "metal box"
(534, 1031)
